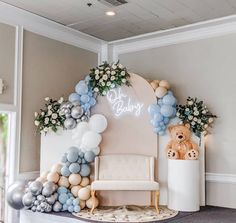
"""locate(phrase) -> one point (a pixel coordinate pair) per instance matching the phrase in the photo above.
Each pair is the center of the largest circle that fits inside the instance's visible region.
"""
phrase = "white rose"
(195, 119)
(204, 112)
(46, 121)
(97, 77)
(103, 84)
(45, 129)
(120, 66)
(96, 89)
(199, 121)
(112, 85)
(113, 72)
(205, 126)
(36, 114)
(104, 93)
(210, 120)
(113, 78)
(49, 107)
(42, 113)
(122, 73)
(60, 100)
(47, 99)
(190, 102)
(54, 116)
(96, 72)
(190, 117)
(108, 83)
(123, 80)
(49, 112)
(114, 66)
(204, 132)
(196, 113)
(177, 114)
(36, 123)
(61, 113)
(53, 121)
(104, 77)
(186, 109)
(192, 123)
(195, 108)
(108, 72)
(101, 72)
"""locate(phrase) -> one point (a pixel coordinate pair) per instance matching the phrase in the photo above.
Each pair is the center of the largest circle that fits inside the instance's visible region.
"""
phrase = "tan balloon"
(44, 174)
(56, 168)
(64, 182)
(85, 181)
(164, 84)
(89, 202)
(41, 179)
(154, 85)
(74, 179)
(82, 204)
(84, 193)
(160, 92)
(156, 81)
(75, 190)
(53, 177)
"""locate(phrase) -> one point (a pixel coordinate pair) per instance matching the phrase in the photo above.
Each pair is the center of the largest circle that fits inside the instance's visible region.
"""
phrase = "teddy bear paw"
(191, 155)
(172, 154)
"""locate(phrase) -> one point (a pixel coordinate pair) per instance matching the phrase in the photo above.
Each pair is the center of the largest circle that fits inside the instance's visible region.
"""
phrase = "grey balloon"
(70, 123)
(33, 208)
(57, 206)
(84, 118)
(47, 191)
(15, 194)
(36, 187)
(51, 199)
(28, 200)
(41, 198)
(77, 112)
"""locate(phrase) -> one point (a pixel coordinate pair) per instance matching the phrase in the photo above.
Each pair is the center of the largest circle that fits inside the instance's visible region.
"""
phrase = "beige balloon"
(82, 204)
(160, 92)
(75, 190)
(74, 179)
(41, 179)
(154, 85)
(84, 193)
(44, 174)
(64, 182)
(56, 168)
(89, 202)
(165, 84)
(53, 177)
(85, 181)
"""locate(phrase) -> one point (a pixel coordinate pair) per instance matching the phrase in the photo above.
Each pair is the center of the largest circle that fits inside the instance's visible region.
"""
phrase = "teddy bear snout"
(180, 136)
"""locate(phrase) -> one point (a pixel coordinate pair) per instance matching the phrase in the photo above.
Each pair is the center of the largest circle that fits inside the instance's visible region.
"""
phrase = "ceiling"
(134, 18)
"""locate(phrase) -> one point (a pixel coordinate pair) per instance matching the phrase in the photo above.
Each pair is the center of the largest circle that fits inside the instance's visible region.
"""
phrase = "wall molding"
(221, 178)
(32, 175)
(193, 32)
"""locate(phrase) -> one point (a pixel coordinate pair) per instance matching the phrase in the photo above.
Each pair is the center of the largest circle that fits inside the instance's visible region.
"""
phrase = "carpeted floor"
(207, 214)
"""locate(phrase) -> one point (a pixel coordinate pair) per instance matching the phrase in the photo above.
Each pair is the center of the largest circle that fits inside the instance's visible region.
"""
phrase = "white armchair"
(125, 172)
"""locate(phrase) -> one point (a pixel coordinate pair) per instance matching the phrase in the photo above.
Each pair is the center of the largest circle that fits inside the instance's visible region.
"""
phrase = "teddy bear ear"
(170, 128)
(187, 125)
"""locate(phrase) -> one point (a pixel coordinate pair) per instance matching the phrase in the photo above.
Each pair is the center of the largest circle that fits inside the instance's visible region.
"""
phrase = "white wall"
(204, 69)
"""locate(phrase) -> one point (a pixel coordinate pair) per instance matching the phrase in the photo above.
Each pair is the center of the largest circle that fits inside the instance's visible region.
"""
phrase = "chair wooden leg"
(157, 201)
(93, 194)
(151, 199)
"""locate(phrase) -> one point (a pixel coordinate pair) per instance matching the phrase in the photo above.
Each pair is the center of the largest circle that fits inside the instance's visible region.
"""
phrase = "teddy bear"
(181, 146)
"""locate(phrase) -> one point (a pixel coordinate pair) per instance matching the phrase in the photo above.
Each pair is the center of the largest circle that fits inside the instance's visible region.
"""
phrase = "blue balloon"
(62, 190)
(81, 88)
(153, 109)
(64, 207)
(71, 208)
(74, 97)
(174, 112)
(169, 100)
(65, 171)
(170, 93)
(87, 78)
(92, 101)
(69, 202)
(77, 209)
(64, 158)
(85, 170)
(166, 120)
(74, 168)
(84, 98)
(161, 124)
(76, 201)
(73, 149)
(63, 198)
(86, 106)
(72, 156)
(158, 117)
(158, 129)
(166, 110)
(161, 133)
(89, 156)
(68, 164)
(79, 160)
(160, 102)
(81, 154)
(90, 93)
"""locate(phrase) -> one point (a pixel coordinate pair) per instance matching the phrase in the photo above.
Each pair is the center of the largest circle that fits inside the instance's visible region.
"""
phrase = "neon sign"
(122, 103)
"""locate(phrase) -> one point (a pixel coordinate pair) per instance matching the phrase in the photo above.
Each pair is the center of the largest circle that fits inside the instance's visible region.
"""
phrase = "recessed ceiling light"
(110, 13)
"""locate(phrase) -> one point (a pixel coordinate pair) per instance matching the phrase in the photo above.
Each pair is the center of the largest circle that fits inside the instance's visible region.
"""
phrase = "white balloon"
(79, 131)
(96, 150)
(90, 140)
(98, 123)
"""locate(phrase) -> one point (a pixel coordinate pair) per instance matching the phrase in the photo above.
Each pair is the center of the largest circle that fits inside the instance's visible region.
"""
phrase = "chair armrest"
(96, 168)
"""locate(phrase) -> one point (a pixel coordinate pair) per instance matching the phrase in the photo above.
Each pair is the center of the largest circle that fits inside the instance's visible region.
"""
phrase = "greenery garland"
(106, 77)
(197, 115)
(50, 118)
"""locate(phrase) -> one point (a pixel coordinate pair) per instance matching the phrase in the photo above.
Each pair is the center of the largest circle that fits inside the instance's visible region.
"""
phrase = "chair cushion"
(124, 185)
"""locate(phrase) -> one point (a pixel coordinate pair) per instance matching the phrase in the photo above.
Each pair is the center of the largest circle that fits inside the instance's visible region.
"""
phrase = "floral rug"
(129, 213)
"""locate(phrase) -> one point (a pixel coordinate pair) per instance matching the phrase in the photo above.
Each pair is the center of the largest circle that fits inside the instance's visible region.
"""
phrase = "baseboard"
(221, 178)
(28, 175)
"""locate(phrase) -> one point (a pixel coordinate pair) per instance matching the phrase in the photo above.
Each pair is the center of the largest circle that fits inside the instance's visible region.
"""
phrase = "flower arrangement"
(106, 77)
(50, 118)
(196, 114)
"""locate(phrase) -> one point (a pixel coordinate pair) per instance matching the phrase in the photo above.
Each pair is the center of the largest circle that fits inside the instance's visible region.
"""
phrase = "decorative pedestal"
(183, 185)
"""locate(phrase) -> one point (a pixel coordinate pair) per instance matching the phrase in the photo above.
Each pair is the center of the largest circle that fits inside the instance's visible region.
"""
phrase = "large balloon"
(167, 110)
(90, 140)
(98, 123)
(15, 194)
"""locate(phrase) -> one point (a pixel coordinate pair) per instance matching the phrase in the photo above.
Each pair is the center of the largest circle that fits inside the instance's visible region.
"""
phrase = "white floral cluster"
(106, 77)
(49, 118)
(196, 114)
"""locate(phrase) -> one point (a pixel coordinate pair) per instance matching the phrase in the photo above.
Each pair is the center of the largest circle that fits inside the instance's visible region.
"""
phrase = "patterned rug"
(129, 213)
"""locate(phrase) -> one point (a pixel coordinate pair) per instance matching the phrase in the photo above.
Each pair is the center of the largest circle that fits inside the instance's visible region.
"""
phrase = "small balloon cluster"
(40, 197)
(165, 108)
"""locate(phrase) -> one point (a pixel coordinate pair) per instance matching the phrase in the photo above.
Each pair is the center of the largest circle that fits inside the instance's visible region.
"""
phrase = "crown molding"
(221, 178)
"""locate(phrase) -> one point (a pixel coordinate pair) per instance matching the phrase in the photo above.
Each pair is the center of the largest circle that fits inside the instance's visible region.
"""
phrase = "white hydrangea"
(104, 93)
(53, 122)
(61, 99)
(46, 120)
(190, 117)
(113, 85)
(177, 114)
(97, 77)
(190, 102)
(114, 66)
(199, 121)
(108, 72)
(204, 112)
(45, 129)
(210, 120)
(103, 84)
(96, 71)
(36, 123)
(122, 73)
(54, 116)
(96, 89)
(120, 66)
(101, 72)
(113, 72)
(49, 112)
(123, 80)
(113, 78)
(42, 113)
(196, 113)
(192, 123)
(49, 107)
(104, 77)
(108, 83)
(195, 119)
(205, 126)
(36, 114)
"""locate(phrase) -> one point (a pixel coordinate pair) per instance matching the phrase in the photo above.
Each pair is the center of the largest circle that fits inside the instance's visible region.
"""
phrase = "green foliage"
(4, 126)
(197, 115)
